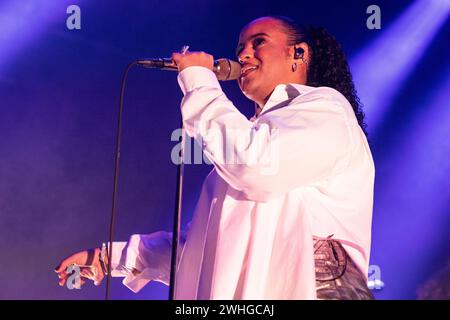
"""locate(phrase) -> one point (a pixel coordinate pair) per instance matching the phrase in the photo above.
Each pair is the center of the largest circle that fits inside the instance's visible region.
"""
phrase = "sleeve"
(288, 148)
(144, 258)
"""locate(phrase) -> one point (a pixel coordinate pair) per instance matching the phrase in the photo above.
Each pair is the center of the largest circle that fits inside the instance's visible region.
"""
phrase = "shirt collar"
(282, 95)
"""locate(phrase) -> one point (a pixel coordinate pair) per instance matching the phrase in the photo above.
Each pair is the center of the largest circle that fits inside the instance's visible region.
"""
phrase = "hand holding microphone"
(189, 59)
(224, 69)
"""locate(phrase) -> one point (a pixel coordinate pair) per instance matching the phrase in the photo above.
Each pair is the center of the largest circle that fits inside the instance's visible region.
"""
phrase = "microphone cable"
(178, 196)
(116, 177)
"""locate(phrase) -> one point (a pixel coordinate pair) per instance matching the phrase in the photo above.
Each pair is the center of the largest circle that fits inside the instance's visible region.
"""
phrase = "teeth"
(245, 69)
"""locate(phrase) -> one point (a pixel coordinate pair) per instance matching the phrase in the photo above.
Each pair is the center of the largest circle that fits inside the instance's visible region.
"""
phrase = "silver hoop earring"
(294, 67)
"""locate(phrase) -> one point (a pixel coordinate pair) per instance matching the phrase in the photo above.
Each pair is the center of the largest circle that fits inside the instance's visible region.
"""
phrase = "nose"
(245, 54)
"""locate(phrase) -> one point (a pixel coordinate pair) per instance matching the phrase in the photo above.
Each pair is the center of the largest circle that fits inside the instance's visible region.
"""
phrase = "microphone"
(224, 69)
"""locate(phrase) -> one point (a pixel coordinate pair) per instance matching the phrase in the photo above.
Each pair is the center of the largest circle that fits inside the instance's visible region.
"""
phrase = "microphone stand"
(177, 219)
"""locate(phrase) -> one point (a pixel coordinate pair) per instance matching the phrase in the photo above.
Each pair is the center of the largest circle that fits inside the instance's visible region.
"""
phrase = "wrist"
(103, 258)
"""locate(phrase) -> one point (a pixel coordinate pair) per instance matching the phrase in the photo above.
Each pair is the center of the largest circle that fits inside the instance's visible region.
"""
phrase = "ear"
(301, 51)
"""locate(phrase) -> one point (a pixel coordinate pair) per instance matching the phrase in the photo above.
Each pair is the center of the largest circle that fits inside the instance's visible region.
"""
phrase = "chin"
(248, 88)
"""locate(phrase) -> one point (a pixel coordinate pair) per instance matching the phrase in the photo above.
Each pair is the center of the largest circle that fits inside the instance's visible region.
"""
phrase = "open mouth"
(246, 69)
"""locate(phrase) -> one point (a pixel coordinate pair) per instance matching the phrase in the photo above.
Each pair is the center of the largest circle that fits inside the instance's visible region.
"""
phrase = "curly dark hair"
(328, 64)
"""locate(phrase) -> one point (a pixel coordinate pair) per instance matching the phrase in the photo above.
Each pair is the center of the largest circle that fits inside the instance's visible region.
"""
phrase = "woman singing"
(286, 212)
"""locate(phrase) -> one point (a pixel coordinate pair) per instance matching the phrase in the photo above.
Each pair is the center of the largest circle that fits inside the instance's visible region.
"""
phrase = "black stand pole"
(177, 219)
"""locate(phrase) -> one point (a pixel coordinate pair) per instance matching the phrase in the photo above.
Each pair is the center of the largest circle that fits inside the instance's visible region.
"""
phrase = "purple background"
(58, 108)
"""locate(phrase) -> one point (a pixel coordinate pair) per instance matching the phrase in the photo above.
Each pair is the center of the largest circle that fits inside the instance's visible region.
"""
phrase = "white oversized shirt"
(300, 169)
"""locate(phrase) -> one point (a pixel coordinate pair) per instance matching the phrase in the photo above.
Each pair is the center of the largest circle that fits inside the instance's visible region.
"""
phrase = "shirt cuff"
(195, 77)
(136, 282)
(125, 259)
(117, 262)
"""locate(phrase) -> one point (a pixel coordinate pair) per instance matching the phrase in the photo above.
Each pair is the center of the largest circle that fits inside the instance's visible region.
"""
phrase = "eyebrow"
(240, 45)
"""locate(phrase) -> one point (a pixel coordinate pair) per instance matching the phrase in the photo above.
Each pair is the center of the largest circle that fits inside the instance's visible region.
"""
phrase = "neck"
(258, 111)
(258, 108)
(259, 104)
